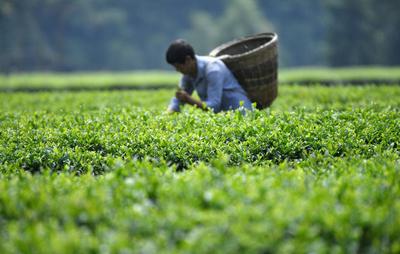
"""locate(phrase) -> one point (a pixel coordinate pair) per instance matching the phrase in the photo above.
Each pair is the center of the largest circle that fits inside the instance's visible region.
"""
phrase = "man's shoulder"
(211, 63)
(207, 59)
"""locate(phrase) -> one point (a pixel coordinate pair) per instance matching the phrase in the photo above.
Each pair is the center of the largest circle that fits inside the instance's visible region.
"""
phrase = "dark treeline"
(65, 35)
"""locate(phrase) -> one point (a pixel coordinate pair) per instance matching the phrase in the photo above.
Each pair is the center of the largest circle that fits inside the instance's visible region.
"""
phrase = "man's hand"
(186, 98)
(171, 111)
(183, 96)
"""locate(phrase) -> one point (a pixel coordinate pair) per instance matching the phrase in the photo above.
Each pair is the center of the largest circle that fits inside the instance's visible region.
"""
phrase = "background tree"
(65, 35)
(301, 27)
(240, 18)
(363, 32)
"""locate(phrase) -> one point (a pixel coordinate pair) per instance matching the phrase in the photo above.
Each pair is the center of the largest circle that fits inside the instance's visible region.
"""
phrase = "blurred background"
(91, 35)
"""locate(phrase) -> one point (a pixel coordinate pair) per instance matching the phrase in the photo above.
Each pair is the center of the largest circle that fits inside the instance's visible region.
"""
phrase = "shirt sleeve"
(186, 85)
(215, 80)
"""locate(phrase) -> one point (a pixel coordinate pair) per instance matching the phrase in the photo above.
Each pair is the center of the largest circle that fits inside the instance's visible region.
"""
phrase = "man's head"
(181, 55)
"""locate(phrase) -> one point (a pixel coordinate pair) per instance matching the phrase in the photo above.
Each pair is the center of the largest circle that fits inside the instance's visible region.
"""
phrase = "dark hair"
(177, 52)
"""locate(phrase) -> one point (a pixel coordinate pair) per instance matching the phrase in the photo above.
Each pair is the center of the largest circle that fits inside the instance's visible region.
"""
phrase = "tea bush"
(349, 206)
(84, 141)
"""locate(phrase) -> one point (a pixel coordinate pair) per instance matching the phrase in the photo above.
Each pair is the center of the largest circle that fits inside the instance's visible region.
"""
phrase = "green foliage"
(110, 172)
(372, 74)
(350, 205)
(169, 79)
(88, 80)
(82, 141)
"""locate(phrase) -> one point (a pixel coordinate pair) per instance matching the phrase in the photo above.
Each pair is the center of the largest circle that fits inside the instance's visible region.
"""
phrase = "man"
(214, 83)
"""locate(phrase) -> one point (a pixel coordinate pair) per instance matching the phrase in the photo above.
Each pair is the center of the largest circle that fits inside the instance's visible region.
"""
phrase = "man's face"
(186, 68)
(182, 68)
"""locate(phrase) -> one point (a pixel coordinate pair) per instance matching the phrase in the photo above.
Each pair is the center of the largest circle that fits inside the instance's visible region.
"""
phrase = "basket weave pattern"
(253, 60)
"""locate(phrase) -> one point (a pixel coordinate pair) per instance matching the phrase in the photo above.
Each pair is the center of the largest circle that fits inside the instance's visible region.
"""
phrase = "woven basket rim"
(273, 36)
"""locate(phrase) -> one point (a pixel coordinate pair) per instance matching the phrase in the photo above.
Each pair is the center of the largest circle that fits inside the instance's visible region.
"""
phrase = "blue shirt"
(215, 85)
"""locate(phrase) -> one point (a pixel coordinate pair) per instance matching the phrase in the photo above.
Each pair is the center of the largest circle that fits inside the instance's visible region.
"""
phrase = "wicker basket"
(253, 60)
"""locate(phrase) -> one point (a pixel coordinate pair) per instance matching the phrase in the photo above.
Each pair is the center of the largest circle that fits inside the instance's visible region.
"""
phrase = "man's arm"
(214, 92)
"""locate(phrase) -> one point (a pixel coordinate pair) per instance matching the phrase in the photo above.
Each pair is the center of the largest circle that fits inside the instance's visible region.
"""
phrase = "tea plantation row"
(289, 98)
(118, 80)
(77, 142)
